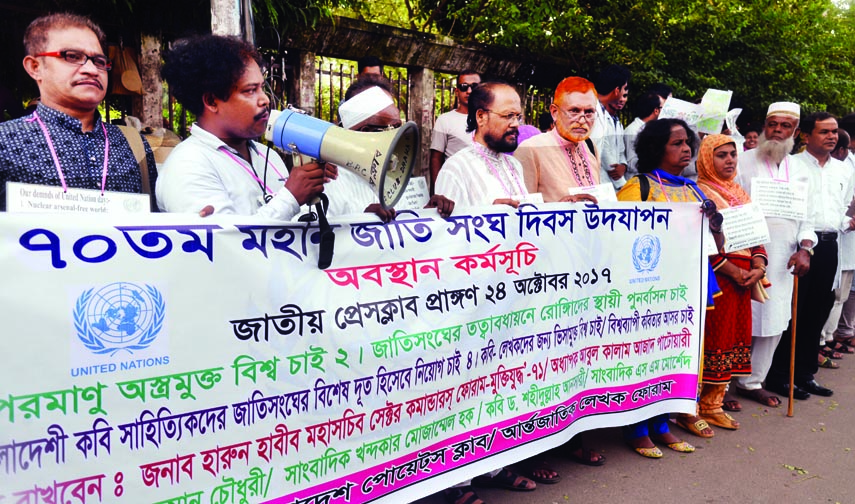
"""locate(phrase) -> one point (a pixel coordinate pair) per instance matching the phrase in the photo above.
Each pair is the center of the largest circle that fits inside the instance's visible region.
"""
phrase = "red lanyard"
(56, 158)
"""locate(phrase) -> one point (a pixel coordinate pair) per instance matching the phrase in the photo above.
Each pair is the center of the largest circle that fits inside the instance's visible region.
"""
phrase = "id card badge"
(603, 192)
(744, 226)
(35, 198)
(415, 196)
(532, 198)
(778, 198)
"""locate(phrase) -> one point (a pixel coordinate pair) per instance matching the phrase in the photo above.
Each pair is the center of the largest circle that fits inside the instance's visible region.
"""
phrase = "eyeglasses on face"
(378, 128)
(100, 61)
(575, 114)
(465, 87)
(510, 117)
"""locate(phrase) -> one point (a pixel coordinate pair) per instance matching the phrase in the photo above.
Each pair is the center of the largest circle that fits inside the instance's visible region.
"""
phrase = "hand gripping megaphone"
(384, 159)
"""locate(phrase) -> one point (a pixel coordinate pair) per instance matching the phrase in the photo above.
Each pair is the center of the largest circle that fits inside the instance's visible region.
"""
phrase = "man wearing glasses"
(64, 142)
(484, 173)
(449, 133)
(559, 162)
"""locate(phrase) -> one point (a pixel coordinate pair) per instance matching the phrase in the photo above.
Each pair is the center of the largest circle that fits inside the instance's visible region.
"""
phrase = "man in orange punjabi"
(564, 158)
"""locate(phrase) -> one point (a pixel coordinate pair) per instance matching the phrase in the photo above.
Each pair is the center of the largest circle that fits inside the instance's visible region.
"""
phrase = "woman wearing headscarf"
(727, 329)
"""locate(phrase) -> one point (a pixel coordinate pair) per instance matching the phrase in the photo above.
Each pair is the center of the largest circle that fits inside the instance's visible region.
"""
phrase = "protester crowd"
(584, 154)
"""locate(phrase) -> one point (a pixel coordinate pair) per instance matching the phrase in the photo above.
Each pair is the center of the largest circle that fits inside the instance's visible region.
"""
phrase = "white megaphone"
(385, 159)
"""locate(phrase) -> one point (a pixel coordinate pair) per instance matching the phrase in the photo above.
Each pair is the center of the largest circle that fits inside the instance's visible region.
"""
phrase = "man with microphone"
(221, 165)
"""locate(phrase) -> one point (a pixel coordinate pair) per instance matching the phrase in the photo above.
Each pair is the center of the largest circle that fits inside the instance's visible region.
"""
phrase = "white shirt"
(771, 318)
(607, 135)
(349, 194)
(449, 134)
(835, 184)
(198, 173)
(477, 176)
(629, 135)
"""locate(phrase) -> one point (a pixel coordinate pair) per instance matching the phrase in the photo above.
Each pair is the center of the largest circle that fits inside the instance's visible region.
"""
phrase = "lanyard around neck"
(786, 167)
(685, 192)
(56, 158)
(251, 169)
(495, 171)
(573, 169)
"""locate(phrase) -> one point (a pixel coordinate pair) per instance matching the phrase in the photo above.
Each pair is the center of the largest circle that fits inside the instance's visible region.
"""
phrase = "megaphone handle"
(299, 161)
(326, 248)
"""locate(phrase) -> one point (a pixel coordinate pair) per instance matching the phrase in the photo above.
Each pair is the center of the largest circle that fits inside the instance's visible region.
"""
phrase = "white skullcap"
(362, 106)
(784, 109)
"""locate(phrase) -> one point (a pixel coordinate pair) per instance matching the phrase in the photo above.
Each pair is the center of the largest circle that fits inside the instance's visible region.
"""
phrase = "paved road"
(771, 459)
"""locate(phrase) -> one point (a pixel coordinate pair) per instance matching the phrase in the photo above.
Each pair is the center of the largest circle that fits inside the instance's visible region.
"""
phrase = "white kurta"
(477, 176)
(772, 317)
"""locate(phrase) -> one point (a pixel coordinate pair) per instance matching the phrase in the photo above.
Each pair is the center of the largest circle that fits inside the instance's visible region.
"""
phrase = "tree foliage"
(763, 50)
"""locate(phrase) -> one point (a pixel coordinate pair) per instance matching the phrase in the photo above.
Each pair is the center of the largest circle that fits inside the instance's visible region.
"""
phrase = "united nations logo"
(119, 316)
(645, 253)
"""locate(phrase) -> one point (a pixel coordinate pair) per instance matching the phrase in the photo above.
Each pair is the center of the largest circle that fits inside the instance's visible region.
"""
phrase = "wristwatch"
(809, 250)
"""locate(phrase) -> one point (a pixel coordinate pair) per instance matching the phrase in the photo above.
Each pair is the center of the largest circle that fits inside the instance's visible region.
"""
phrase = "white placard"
(603, 192)
(778, 198)
(533, 198)
(744, 226)
(34, 198)
(415, 196)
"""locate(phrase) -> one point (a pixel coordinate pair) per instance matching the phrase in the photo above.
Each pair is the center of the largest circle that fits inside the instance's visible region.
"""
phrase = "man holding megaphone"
(219, 79)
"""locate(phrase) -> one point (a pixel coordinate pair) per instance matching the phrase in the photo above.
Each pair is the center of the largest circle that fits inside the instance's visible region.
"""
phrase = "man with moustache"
(64, 142)
(450, 133)
(612, 85)
(834, 183)
(219, 79)
(483, 173)
(789, 250)
(564, 158)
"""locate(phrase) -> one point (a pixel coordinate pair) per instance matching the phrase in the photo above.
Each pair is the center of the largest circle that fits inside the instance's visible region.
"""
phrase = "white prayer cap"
(364, 105)
(784, 109)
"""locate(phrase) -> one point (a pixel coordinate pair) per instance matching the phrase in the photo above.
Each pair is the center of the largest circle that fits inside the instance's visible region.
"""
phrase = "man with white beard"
(789, 251)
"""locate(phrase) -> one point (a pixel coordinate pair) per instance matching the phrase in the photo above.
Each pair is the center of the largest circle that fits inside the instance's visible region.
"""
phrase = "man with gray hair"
(760, 171)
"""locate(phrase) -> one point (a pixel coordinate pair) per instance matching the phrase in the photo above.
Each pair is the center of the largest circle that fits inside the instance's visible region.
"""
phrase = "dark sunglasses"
(465, 87)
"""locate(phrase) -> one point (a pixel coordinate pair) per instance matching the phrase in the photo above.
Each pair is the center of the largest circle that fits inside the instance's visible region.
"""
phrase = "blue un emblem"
(645, 253)
(119, 316)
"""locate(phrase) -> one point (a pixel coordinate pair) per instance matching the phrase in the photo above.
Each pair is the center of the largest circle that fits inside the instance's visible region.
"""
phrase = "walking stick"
(793, 344)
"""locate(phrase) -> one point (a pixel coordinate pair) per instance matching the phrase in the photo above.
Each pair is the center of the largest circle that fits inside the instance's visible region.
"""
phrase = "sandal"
(849, 342)
(830, 353)
(539, 471)
(722, 420)
(587, 457)
(696, 425)
(461, 495)
(760, 395)
(507, 480)
(840, 347)
(825, 362)
(731, 404)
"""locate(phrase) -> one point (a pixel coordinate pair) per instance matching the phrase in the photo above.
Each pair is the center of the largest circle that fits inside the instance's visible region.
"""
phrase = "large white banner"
(169, 358)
